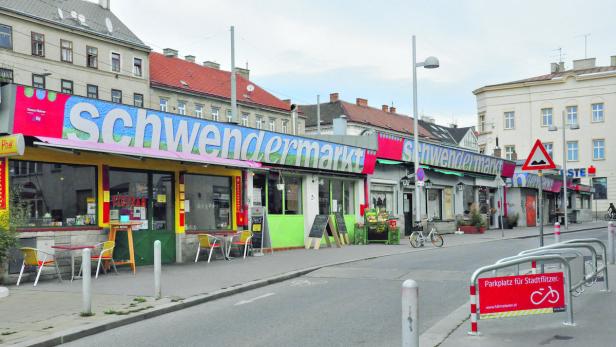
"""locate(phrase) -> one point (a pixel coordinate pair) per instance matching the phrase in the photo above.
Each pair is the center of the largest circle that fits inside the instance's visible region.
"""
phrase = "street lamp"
(429, 63)
(564, 173)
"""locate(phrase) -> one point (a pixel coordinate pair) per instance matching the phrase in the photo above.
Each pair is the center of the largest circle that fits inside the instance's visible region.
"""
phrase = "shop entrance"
(146, 197)
(408, 213)
(531, 210)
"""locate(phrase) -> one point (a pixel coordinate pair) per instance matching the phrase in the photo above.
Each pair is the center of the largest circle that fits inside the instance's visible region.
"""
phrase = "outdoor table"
(114, 227)
(227, 238)
(71, 249)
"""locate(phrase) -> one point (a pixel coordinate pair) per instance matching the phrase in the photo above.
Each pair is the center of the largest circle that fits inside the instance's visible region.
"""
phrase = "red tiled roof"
(379, 118)
(169, 72)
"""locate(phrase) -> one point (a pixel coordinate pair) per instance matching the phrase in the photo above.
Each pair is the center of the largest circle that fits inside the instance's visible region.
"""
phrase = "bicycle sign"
(512, 296)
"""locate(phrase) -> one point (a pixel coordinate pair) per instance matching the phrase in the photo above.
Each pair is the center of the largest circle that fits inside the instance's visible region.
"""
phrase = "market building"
(455, 177)
(89, 163)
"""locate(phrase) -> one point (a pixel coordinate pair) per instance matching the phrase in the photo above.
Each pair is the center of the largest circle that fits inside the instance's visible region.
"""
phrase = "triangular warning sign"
(538, 159)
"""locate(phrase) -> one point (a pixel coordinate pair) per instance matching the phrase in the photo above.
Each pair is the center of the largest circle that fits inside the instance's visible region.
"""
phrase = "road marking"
(243, 302)
(305, 283)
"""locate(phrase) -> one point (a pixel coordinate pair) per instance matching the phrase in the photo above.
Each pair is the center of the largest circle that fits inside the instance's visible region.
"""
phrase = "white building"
(513, 115)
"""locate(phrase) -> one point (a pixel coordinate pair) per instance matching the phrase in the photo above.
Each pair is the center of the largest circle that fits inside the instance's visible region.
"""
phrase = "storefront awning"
(142, 152)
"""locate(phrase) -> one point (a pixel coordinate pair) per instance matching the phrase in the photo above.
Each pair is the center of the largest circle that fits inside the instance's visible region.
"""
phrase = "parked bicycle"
(417, 238)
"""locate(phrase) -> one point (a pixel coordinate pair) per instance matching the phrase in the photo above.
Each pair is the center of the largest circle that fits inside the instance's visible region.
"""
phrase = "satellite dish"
(109, 25)
(250, 88)
(60, 13)
(73, 14)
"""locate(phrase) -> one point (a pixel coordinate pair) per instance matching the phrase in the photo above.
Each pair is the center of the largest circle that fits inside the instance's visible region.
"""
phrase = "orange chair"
(31, 258)
(242, 239)
(105, 254)
(205, 243)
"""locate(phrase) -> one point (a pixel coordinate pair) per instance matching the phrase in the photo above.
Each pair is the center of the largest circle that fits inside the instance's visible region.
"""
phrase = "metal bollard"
(611, 229)
(556, 232)
(410, 324)
(157, 291)
(86, 283)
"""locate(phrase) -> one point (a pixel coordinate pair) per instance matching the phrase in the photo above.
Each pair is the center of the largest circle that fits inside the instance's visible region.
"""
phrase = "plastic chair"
(242, 239)
(105, 254)
(31, 258)
(205, 243)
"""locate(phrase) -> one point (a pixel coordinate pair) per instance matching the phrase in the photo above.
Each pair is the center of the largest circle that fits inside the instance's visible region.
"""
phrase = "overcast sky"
(298, 49)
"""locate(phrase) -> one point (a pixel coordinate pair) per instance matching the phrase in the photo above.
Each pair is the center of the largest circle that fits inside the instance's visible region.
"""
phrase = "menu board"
(340, 225)
(319, 226)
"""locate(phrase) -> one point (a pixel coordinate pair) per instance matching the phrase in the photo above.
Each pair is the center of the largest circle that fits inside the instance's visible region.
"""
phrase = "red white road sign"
(512, 296)
(538, 159)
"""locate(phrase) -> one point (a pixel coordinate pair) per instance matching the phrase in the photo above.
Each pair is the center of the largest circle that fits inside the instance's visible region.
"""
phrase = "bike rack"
(604, 257)
(525, 259)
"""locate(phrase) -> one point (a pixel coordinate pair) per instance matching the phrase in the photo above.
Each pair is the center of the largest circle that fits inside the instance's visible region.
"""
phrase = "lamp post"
(429, 63)
(564, 168)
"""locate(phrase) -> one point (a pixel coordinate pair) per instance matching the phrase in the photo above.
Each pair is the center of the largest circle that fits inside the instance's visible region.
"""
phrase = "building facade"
(75, 47)
(511, 116)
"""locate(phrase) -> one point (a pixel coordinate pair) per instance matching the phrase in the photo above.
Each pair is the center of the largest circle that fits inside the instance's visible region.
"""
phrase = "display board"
(341, 228)
(322, 228)
(259, 228)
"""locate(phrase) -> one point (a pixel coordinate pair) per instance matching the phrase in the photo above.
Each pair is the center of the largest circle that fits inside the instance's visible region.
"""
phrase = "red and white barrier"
(474, 329)
(556, 232)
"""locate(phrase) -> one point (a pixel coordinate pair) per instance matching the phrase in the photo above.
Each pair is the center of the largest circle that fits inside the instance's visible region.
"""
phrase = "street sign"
(421, 175)
(512, 296)
(538, 159)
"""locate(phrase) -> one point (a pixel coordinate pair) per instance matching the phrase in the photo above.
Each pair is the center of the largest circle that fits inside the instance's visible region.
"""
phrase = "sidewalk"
(49, 313)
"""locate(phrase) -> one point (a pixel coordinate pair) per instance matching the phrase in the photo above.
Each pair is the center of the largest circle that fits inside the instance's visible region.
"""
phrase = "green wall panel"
(286, 230)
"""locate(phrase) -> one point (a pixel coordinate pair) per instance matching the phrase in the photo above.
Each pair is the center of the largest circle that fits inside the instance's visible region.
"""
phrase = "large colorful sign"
(528, 180)
(511, 296)
(3, 185)
(46, 113)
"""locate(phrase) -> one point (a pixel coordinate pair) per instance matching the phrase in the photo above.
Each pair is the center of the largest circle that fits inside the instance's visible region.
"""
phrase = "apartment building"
(185, 87)
(513, 115)
(75, 47)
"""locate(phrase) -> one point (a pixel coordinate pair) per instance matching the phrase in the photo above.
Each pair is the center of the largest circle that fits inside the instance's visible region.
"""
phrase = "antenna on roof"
(60, 13)
(246, 65)
(586, 45)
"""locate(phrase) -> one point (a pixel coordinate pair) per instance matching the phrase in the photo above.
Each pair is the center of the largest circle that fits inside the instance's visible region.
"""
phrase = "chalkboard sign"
(320, 224)
(340, 223)
(258, 226)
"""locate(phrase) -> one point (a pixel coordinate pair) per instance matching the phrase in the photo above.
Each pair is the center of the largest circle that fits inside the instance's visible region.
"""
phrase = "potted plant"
(475, 224)
(18, 215)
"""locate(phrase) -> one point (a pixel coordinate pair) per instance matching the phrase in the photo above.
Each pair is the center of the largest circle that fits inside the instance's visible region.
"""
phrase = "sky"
(362, 49)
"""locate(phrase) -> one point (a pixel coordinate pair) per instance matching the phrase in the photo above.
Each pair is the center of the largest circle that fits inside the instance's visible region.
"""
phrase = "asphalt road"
(348, 305)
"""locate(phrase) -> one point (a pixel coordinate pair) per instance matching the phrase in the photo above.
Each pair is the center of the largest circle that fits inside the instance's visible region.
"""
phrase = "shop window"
(448, 203)
(324, 195)
(337, 201)
(52, 196)
(349, 198)
(468, 196)
(274, 196)
(292, 195)
(208, 202)
(434, 203)
(600, 186)
(258, 189)
(382, 197)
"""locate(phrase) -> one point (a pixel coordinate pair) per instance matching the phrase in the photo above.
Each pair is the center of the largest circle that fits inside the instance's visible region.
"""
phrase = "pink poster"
(39, 112)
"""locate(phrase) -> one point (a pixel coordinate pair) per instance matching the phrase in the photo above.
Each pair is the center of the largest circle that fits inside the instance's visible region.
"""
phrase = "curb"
(562, 232)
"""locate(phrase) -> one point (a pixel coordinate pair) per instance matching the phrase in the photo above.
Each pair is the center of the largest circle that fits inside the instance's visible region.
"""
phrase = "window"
(274, 196)
(509, 152)
(324, 195)
(116, 96)
(66, 51)
(349, 198)
(245, 119)
(229, 116)
(38, 184)
(482, 122)
(337, 202)
(549, 147)
(598, 149)
(572, 117)
(292, 195)
(209, 202)
(199, 110)
(6, 36)
(572, 151)
(546, 117)
(182, 107)
(509, 120)
(6, 75)
(259, 122)
(382, 196)
(137, 67)
(116, 64)
(92, 91)
(600, 185)
(66, 86)
(38, 44)
(92, 57)
(38, 81)
(434, 201)
(138, 100)
(164, 104)
(272, 124)
(597, 112)
(215, 113)
(285, 126)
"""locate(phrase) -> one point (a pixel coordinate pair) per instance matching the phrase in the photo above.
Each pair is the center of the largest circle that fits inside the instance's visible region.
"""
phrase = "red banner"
(3, 188)
(239, 211)
(521, 295)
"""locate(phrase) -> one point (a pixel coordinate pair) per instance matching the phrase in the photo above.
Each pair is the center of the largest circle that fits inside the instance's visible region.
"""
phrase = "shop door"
(408, 213)
(531, 210)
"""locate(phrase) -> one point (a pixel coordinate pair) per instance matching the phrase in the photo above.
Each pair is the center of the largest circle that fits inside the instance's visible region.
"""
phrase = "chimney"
(361, 102)
(287, 101)
(497, 152)
(333, 97)
(211, 64)
(561, 66)
(384, 108)
(584, 63)
(392, 109)
(453, 125)
(554, 67)
(170, 52)
(613, 60)
(340, 125)
(243, 72)
(190, 58)
(104, 4)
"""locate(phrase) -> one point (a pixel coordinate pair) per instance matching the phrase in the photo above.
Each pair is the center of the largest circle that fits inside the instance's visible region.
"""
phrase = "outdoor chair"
(208, 242)
(31, 258)
(106, 254)
(242, 239)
